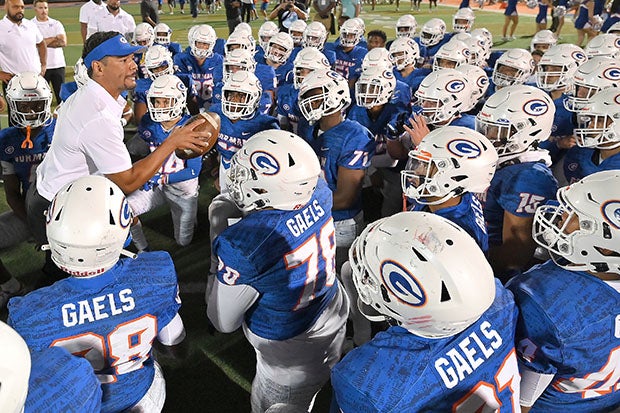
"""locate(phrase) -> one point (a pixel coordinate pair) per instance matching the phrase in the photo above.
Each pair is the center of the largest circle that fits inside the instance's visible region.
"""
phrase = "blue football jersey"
(25, 160)
(61, 382)
(569, 326)
(349, 65)
(517, 189)
(414, 79)
(204, 75)
(220, 46)
(348, 145)
(234, 134)
(465, 120)
(111, 320)
(267, 77)
(581, 162)
(399, 372)
(563, 120)
(67, 89)
(173, 47)
(288, 257)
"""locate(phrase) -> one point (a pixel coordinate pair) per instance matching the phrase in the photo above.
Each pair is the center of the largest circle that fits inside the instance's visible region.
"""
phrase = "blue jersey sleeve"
(527, 190)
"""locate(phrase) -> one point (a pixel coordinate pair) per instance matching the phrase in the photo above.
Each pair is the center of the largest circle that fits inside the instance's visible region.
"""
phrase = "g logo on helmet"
(535, 107)
(464, 148)
(402, 284)
(611, 213)
(455, 86)
(579, 57)
(264, 163)
(613, 73)
(125, 218)
(181, 86)
(617, 99)
(482, 81)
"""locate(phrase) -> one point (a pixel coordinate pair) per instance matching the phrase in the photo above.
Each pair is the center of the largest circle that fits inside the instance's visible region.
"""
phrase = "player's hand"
(418, 129)
(566, 142)
(187, 137)
(155, 181)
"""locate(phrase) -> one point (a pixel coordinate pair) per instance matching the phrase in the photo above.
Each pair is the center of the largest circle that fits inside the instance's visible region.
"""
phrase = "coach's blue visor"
(116, 46)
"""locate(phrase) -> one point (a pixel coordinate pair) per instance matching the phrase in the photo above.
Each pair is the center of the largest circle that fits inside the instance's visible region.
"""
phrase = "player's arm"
(12, 191)
(533, 384)
(227, 305)
(173, 333)
(348, 187)
(518, 246)
(184, 137)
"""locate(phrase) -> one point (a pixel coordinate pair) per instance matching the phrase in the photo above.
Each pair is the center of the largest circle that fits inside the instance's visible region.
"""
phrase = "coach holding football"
(88, 139)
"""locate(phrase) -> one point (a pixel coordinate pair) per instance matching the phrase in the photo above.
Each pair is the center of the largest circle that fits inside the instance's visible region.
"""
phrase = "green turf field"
(213, 372)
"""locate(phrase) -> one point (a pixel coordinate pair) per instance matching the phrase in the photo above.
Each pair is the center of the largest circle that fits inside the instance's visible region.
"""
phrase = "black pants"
(246, 12)
(193, 8)
(56, 77)
(232, 23)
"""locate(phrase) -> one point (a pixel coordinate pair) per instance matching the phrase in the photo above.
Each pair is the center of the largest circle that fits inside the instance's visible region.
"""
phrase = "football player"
(451, 345)
(344, 148)
(143, 35)
(315, 35)
(204, 66)
(48, 380)
(349, 54)
(568, 353)
(277, 54)
(22, 148)
(276, 276)
(176, 182)
(516, 119)
(163, 37)
(432, 36)
(108, 311)
(513, 67)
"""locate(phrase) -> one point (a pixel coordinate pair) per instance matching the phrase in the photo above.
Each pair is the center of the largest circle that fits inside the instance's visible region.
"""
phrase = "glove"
(395, 127)
(156, 180)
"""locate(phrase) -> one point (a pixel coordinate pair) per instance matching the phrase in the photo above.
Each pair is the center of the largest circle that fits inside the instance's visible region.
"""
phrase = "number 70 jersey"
(399, 372)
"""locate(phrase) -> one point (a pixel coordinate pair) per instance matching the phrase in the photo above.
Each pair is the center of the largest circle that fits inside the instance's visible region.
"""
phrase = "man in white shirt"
(55, 39)
(22, 48)
(113, 18)
(88, 139)
(86, 12)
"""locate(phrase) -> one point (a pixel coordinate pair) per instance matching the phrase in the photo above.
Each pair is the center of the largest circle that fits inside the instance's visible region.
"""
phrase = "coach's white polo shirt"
(88, 140)
(104, 21)
(18, 46)
(52, 28)
(87, 11)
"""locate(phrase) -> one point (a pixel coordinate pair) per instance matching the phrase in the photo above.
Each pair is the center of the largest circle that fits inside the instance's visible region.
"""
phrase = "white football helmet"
(531, 4)
(240, 40)
(603, 45)
(559, 11)
(351, 33)
(558, 65)
(478, 81)
(614, 28)
(279, 48)
(30, 100)
(513, 67)
(241, 95)
(479, 51)
(163, 34)
(405, 52)
(158, 61)
(463, 20)
(516, 118)
(447, 163)
(315, 35)
(80, 73)
(266, 31)
(442, 95)
(406, 26)
(238, 59)
(581, 233)
(14, 370)
(166, 98)
(483, 33)
(296, 30)
(405, 267)
(432, 32)
(451, 55)
(243, 27)
(274, 169)
(543, 40)
(378, 57)
(308, 60)
(87, 226)
(596, 74)
(322, 93)
(599, 121)
(144, 35)
(204, 34)
(374, 87)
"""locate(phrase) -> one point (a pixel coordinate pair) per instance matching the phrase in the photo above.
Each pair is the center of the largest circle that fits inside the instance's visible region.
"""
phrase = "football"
(212, 125)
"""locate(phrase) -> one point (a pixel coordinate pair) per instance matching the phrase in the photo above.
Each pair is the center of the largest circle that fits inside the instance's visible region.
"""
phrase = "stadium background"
(212, 372)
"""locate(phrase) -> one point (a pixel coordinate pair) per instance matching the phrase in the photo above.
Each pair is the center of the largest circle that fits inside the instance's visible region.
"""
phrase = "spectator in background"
(325, 13)
(350, 9)
(22, 48)
(148, 11)
(113, 18)
(376, 38)
(86, 12)
(55, 39)
(233, 14)
(287, 12)
(246, 10)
